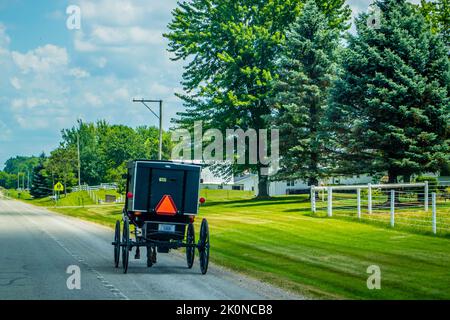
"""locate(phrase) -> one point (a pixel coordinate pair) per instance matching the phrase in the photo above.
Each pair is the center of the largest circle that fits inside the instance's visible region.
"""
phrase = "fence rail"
(417, 206)
(91, 190)
(103, 186)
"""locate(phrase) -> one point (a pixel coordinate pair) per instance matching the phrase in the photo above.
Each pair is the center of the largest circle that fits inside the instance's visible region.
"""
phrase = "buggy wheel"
(190, 250)
(203, 246)
(125, 245)
(117, 244)
(154, 258)
(149, 256)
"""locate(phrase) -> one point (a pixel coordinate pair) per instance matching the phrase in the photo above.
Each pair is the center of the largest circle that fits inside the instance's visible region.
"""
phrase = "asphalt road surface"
(37, 247)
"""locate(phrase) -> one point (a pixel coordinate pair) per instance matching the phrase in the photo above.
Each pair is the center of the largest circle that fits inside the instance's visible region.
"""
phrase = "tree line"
(376, 101)
(104, 149)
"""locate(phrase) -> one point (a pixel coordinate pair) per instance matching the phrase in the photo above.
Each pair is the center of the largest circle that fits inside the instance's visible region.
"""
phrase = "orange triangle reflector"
(166, 206)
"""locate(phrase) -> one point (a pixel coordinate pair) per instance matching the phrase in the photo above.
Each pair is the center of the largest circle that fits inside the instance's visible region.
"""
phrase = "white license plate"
(166, 227)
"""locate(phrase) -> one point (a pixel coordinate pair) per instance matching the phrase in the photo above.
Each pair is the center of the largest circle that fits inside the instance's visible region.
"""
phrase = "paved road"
(37, 246)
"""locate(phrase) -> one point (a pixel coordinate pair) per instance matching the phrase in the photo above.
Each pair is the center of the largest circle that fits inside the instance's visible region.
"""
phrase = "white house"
(212, 180)
(249, 182)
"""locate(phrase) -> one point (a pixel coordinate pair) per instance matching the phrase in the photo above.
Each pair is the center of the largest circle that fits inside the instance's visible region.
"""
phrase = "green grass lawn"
(225, 195)
(71, 199)
(279, 241)
(80, 198)
(101, 194)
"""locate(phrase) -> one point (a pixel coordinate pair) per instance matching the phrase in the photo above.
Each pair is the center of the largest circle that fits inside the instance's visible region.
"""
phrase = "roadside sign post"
(58, 188)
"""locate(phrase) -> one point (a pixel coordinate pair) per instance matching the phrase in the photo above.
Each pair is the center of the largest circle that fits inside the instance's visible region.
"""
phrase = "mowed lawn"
(278, 241)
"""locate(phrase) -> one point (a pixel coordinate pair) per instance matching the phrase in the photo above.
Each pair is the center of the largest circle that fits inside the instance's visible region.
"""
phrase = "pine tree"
(391, 106)
(40, 187)
(306, 68)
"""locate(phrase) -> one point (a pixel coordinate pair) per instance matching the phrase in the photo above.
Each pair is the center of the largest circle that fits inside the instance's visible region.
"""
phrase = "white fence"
(91, 190)
(103, 186)
(418, 206)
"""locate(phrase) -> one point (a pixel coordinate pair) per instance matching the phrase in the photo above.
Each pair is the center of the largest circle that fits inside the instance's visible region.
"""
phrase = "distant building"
(249, 182)
(213, 180)
(210, 179)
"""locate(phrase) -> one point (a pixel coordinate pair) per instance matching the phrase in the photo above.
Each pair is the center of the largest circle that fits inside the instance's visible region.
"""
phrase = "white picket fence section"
(93, 195)
(401, 204)
(103, 186)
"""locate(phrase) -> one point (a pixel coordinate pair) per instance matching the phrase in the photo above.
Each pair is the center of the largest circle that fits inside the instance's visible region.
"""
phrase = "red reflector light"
(137, 213)
(130, 195)
(166, 206)
(191, 219)
(202, 200)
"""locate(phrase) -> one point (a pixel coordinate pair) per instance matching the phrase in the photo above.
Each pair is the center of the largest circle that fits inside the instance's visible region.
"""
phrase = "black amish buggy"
(162, 203)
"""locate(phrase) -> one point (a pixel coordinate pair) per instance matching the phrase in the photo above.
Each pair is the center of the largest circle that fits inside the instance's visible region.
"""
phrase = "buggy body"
(162, 201)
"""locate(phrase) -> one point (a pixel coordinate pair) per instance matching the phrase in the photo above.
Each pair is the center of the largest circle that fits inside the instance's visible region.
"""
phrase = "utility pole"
(79, 162)
(18, 180)
(160, 117)
(160, 130)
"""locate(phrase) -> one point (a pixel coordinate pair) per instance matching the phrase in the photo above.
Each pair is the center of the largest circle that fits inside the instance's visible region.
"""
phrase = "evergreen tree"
(232, 47)
(306, 69)
(391, 106)
(40, 187)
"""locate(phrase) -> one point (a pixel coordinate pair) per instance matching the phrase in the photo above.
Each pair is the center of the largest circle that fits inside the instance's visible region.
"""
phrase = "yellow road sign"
(59, 187)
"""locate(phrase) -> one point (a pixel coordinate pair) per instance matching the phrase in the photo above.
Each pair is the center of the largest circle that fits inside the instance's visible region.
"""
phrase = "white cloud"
(118, 26)
(122, 12)
(92, 99)
(56, 15)
(17, 103)
(122, 93)
(82, 44)
(29, 103)
(4, 39)
(5, 132)
(33, 122)
(128, 36)
(15, 82)
(48, 58)
(100, 62)
(78, 73)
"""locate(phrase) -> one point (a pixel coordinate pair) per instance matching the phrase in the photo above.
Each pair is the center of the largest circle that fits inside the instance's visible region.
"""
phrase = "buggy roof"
(162, 164)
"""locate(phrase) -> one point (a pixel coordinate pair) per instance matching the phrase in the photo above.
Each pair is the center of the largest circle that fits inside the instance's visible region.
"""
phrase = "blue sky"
(50, 75)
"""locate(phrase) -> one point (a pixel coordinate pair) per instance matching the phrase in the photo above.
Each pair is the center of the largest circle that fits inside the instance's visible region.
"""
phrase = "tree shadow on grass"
(259, 202)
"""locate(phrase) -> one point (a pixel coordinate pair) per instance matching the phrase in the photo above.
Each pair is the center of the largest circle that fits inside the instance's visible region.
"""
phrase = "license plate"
(166, 227)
